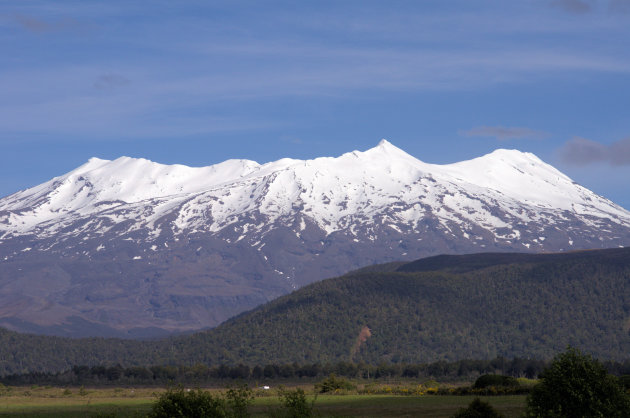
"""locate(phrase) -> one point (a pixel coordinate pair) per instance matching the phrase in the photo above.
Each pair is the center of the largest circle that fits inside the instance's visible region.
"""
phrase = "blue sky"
(198, 82)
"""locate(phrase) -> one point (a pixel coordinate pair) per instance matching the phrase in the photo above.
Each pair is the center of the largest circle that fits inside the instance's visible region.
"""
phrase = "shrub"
(575, 385)
(293, 405)
(525, 382)
(180, 403)
(238, 400)
(478, 409)
(488, 380)
(332, 383)
(489, 391)
(624, 381)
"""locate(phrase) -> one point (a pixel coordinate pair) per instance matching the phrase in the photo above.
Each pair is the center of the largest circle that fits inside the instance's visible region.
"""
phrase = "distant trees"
(575, 385)
(198, 374)
(202, 373)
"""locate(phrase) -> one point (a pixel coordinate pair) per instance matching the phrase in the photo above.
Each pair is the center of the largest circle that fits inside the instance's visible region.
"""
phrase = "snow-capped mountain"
(134, 246)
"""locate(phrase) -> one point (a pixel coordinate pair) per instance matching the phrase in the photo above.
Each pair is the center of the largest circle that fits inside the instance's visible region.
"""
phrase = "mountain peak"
(386, 149)
(512, 155)
(384, 143)
(176, 234)
(97, 160)
(505, 158)
(386, 146)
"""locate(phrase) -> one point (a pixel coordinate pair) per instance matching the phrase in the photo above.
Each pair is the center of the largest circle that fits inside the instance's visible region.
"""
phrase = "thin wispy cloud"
(573, 6)
(292, 140)
(110, 81)
(504, 133)
(581, 151)
(314, 72)
(117, 117)
(583, 7)
(36, 25)
(619, 6)
(196, 62)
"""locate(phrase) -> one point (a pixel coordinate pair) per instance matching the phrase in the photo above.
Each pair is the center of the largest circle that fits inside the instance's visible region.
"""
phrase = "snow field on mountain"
(381, 185)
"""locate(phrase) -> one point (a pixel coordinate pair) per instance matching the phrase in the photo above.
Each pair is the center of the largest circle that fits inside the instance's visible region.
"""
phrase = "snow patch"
(380, 186)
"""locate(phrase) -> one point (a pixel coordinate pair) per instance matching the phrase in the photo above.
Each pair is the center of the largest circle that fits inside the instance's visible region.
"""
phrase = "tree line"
(203, 374)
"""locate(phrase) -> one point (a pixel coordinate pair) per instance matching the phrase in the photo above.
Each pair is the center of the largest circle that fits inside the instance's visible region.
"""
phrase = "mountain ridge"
(181, 248)
(497, 174)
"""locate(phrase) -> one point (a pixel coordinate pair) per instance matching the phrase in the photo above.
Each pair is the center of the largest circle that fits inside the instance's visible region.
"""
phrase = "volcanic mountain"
(134, 248)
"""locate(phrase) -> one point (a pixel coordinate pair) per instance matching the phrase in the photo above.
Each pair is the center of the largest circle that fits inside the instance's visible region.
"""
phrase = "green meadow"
(128, 402)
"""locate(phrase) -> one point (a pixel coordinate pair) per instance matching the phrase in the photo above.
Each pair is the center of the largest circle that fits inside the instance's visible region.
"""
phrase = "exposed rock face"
(134, 248)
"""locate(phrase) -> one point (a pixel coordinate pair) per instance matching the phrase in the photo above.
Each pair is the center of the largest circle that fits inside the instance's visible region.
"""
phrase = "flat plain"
(136, 402)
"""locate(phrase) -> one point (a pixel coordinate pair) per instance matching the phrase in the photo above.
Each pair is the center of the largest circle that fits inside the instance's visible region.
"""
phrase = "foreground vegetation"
(576, 385)
(573, 384)
(123, 403)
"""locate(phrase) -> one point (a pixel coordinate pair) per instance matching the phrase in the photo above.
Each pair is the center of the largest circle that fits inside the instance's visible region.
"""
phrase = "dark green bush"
(332, 383)
(478, 409)
(180, 403)
(575, 385)
(295, 405)
(238, 400)
(624, 381)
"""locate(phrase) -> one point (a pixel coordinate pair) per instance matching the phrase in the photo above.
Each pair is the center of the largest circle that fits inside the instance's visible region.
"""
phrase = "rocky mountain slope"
(134, 248)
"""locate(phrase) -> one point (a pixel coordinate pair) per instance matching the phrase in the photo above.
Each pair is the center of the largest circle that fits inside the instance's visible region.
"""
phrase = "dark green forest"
(443, 308)
(202, 374)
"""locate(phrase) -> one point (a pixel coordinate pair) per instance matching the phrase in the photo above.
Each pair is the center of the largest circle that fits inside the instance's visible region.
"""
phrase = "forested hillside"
(441, 308)
(473, 306)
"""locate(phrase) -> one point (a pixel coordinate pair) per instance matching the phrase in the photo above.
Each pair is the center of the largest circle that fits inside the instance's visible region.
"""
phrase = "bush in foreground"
(575, 385)
(478, 409)
(294, 405)
(180, 403)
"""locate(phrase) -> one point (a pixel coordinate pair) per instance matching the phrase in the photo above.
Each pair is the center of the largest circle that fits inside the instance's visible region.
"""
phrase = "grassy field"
(75, 402)
(127, 402)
